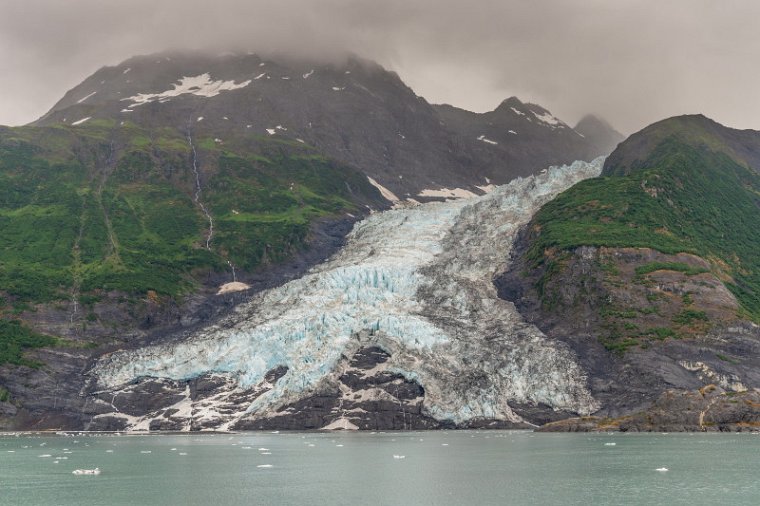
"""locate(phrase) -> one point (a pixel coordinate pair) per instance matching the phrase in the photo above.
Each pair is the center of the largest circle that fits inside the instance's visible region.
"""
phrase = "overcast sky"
(630, 61)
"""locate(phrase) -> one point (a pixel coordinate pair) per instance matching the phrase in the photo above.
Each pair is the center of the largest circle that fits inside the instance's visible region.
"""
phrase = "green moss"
(689, 316)
(686, 269)
(104, 207)
(16, 338)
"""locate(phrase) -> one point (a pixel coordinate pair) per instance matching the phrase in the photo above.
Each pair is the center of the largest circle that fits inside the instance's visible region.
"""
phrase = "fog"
(631, 62)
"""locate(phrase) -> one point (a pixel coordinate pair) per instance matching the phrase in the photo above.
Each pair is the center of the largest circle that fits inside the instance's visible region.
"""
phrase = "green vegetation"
(690, 316)
(683, 198)
(105, 207)
(726, 358)
(5, 395)
(651, 267)
(16, 338)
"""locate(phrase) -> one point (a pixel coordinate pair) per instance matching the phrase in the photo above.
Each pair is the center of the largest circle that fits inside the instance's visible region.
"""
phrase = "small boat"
(88, 472)
(610, 444)
(399, 457)
(662, 469)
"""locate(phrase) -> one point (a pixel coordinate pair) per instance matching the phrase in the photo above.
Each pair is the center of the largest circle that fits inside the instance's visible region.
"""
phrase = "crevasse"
(420, 281)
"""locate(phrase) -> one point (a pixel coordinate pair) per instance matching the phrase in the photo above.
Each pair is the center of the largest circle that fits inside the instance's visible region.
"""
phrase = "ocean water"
(421, 468)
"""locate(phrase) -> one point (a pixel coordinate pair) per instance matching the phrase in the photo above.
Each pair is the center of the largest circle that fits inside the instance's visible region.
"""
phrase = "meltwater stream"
(415, 282)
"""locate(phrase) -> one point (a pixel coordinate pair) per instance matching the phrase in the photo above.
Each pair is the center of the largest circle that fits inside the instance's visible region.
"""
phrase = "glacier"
(415, 281)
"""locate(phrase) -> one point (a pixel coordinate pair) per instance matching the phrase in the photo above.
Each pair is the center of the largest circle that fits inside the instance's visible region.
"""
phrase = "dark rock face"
(709, 409)
(366, 396)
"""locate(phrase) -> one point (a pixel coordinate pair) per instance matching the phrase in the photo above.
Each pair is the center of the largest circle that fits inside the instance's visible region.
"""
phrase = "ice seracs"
(201, 85)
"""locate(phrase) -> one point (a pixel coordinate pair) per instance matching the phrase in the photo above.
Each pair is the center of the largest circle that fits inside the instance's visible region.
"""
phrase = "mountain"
(522, 136)
(160, 195)
(651, 272)
(604, 137)
(352, 110)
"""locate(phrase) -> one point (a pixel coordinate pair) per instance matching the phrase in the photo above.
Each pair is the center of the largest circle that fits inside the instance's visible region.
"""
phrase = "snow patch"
(85, 98)
(546, 117)
(512, 132)
(385, 192)
(201, 85)
(483, 138)
(79, 122)
(308, 74)
(235, 286)
(518, 112)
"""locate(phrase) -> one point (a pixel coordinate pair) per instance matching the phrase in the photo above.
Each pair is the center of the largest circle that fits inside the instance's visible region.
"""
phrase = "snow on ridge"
(415, 281)
(518, 112)
(85, 98)
(79, 122)
(549, 119)
(385, 192)
(447, 193)
(201, 85)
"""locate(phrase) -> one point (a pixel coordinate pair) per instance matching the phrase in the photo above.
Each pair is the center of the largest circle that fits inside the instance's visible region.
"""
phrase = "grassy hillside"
(104, 207)
(682, 197)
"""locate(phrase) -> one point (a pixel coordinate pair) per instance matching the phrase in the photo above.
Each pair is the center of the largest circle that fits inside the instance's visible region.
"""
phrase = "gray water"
(438, 468)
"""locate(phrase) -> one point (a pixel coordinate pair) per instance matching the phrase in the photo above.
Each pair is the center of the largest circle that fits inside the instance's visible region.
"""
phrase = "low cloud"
(630, 61)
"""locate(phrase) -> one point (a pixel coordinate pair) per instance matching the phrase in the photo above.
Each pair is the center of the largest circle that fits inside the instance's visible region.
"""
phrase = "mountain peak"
(694, 130)
(600, 132)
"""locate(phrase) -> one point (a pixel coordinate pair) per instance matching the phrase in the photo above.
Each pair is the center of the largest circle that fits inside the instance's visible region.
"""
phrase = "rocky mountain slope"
(650, 272)
(351, 110)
